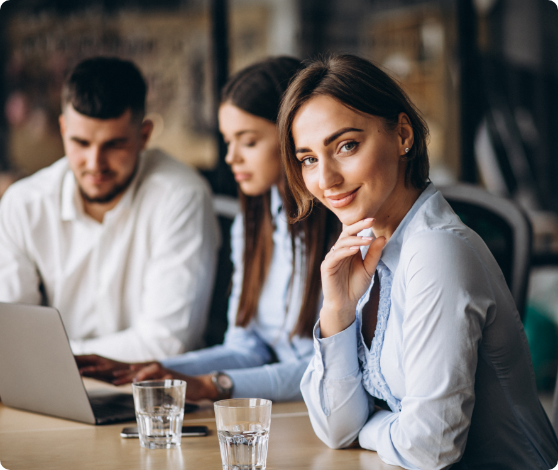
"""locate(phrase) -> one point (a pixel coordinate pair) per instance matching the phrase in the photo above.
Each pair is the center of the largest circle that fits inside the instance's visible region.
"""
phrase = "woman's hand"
(346, 276)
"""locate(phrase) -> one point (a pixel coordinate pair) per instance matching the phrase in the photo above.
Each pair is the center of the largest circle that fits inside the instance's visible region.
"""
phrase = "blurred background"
(483, 72)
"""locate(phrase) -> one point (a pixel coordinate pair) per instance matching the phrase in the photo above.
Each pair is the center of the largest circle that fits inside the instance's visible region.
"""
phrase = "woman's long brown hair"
(362, 86)
(258, 90)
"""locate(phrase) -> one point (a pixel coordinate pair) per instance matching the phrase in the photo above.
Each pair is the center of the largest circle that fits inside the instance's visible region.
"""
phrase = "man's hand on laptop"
(99, 367)
(119, 373)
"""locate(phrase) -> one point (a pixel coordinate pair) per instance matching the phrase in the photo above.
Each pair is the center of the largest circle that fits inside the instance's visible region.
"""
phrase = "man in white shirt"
(121, 240)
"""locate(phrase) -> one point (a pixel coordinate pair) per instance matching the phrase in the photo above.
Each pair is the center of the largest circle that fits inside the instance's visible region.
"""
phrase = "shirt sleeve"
(246, 359)
(177, 284)
(332, 388)
(279, 381)
(251, 352)
(447, 297)
(19, 278)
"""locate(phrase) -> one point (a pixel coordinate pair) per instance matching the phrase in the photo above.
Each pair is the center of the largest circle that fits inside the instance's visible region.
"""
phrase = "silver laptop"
(38, 371)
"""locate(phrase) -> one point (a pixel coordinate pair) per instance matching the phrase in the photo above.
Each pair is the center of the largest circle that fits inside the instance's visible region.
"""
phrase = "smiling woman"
(366, 155)
(368, 94)
(422, 317)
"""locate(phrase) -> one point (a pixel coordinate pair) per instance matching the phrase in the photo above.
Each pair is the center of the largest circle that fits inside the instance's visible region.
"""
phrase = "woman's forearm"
(332, 389)
(276, 382)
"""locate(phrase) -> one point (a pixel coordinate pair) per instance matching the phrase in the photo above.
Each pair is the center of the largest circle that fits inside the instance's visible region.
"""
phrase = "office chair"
(504, 227)
(225, 208)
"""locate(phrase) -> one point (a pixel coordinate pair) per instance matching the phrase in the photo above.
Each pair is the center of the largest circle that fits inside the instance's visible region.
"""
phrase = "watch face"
(224, 381)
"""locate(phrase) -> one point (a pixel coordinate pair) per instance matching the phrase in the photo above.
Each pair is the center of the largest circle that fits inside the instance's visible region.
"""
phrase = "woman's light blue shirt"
(247, 353)
(449, 356)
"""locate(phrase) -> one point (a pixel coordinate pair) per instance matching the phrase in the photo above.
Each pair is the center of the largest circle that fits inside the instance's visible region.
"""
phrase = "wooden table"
(30, 441)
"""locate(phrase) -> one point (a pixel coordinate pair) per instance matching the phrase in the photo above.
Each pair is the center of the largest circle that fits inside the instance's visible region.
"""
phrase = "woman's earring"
(407, 150)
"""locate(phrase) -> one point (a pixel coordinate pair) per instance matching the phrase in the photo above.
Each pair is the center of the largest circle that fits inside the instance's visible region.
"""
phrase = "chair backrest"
(504, 227)
(225, 208)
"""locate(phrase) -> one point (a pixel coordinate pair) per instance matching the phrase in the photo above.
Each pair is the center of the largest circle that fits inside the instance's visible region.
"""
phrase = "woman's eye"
(250, 144)
(349, 147)
(308, 161)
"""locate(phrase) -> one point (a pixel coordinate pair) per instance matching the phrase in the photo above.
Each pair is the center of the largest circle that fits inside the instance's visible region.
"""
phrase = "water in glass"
(243, 446)
(160, 427)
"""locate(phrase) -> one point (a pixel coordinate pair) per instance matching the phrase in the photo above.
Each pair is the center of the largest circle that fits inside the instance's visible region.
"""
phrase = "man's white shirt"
(136, 286)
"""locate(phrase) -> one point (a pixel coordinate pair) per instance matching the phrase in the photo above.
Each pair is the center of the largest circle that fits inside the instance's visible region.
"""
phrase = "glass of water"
(159, 408)
(243, 431)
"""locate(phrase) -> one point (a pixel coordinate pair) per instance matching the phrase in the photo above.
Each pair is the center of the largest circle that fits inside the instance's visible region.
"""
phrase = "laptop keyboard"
(113, 408)
(119, 408)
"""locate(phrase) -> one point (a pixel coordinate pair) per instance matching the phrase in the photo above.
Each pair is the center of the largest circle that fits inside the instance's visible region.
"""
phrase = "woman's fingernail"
(354, 248)
(370, 219)
(367, 238)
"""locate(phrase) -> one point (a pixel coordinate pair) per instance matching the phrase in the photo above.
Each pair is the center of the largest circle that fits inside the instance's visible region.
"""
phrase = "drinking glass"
(159, 408)
(243, 431)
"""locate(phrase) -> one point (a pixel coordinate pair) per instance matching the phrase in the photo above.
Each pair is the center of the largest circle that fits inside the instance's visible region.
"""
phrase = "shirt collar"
(392, 250)
(70, 200)
(276, 202)
(72, 203)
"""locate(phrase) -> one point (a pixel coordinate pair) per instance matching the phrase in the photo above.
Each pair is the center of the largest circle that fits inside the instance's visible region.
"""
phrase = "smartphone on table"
(187, 431)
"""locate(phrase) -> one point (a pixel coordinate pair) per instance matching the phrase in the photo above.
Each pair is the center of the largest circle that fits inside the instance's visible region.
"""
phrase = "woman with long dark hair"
(276, 288)
(416, 311)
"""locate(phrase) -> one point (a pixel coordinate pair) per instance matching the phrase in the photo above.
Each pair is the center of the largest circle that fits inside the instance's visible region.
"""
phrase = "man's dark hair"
(104, 88)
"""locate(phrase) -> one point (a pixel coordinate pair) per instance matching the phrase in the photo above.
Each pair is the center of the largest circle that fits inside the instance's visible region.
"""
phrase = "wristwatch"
(223, 383)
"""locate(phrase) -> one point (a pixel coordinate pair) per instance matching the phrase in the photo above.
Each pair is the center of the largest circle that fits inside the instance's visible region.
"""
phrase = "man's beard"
(114, 192)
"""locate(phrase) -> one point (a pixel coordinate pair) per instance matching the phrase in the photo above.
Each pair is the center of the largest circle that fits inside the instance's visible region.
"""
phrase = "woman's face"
(252, 149)
(349, 161)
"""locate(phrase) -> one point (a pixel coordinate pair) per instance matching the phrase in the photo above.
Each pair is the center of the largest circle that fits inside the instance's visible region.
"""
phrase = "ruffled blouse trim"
(372, 377)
